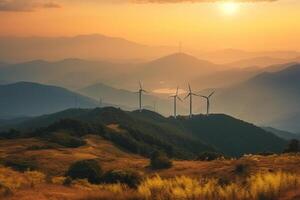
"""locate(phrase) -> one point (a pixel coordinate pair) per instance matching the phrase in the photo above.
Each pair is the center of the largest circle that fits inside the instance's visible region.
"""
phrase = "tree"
(159, 160)
(86, 169)
(293, 146)
(209, 156)
(126, 176)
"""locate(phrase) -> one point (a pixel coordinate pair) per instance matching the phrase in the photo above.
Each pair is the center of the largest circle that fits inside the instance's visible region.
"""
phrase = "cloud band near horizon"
(200, 1)
(31, 5)
(26, 5)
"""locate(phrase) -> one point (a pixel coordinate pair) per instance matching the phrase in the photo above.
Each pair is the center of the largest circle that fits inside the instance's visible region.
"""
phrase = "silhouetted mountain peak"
(295, 68)
(30, 85)
(288, 74)
(179, 58)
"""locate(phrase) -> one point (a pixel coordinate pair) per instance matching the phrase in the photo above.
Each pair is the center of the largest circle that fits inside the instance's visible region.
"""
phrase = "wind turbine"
(191, 94)
(207, 101)
(140, 92)
(175, 97)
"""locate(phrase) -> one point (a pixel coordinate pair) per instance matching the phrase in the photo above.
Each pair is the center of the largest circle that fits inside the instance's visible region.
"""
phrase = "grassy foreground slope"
(262, 177)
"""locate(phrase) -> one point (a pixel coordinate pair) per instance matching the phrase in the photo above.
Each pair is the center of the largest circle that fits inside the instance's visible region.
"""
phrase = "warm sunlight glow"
(229, 8)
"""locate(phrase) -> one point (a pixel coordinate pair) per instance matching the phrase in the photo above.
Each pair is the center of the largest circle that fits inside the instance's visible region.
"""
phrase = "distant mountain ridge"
(77, 73)
(128, 98)
(30, 99)
(170, 70)
(99, 46)
(71, 73)
(283, 134)
(269, 98)
(95, 46)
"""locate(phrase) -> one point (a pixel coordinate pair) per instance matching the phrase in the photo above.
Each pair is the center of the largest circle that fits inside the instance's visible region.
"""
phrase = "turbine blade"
(179, 98)
(187, 96)
(177, 91)
(211, 94)
(202, 96)
(140, 85)
(190, 89)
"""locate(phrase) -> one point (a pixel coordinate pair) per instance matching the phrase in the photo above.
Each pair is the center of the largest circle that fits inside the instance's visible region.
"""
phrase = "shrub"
(160, 161)
(58, 180)
(241, 168)
(209, 156)
(41, 147)
(20, 164)
(35, 178)
(129, 177)
(293, 146)
(76, 127)
(5, 191)
(10, 134)
(266, 153)
(67, 181)
(66, 140)
(86, 169)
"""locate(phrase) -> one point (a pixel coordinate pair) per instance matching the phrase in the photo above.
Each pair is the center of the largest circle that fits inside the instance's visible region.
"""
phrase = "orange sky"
(252, 26)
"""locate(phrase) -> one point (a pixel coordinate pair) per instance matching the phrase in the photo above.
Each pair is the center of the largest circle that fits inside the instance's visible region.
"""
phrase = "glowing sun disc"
(229, 8)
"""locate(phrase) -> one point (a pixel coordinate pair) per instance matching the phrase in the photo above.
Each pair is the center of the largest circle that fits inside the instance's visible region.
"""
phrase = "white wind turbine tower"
(191, 94)
(175, 97)
(140, 92)
(207, 101)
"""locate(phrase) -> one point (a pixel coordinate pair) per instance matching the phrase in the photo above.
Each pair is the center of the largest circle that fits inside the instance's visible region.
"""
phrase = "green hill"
(144, 132)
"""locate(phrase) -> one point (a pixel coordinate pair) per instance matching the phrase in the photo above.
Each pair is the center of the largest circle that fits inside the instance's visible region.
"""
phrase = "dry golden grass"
(261, 186)
(265, 177)
(12, 181)
(115, 127)
(56, 161)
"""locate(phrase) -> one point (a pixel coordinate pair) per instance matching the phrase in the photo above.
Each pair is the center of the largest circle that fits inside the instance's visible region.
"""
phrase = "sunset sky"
(267, 25)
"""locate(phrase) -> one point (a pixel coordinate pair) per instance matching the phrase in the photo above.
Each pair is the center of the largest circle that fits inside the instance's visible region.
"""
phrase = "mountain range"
(164, 72)
(77, 73)
(31, 99)
(116, 49)
(270, 98)
(96, 46)
(129, 98)
(70, 73)
(283, 134)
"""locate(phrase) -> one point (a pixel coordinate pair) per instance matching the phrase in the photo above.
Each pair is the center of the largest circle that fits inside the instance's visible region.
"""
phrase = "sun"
(229, 8)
